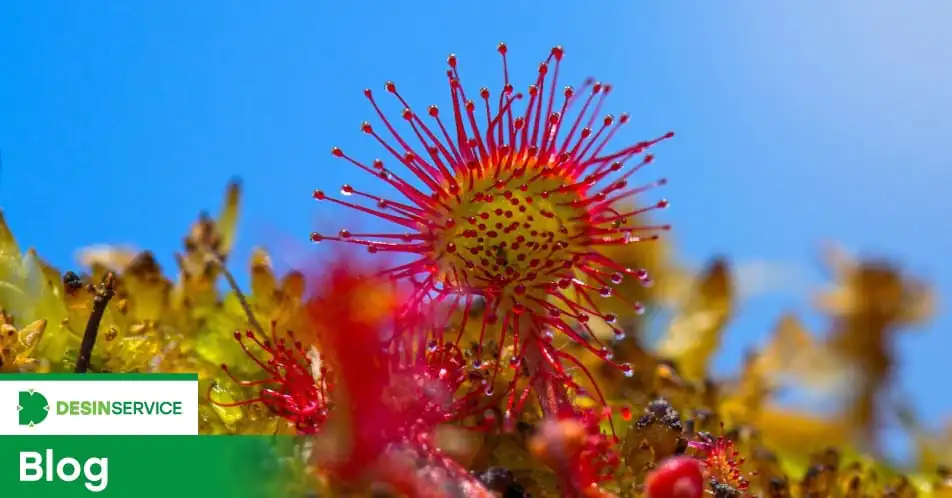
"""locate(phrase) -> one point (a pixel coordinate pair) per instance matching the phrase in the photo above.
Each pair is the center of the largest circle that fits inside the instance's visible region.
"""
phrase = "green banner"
(151, 466)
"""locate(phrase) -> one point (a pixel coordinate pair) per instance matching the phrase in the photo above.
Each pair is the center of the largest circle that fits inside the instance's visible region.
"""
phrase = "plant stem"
(554, 400)
(548, 388)
(104, 292)
(242, 300)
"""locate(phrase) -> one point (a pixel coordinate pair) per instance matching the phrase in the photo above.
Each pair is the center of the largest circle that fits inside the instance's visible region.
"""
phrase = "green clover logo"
(33, 408)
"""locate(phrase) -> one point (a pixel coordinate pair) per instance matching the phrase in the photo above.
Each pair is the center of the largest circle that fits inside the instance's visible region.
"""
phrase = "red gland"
(676, 477)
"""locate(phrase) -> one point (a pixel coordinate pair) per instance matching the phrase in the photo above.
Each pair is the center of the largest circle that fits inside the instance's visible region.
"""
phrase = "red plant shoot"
(510, 206)
(599, 456)
(291, 389)
(578, 451)
(722, 462)
(392, 397)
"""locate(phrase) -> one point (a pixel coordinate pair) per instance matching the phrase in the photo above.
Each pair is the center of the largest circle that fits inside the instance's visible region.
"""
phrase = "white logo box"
(144, 389)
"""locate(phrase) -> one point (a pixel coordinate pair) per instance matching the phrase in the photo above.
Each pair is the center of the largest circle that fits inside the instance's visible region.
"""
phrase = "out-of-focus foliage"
(670, 405)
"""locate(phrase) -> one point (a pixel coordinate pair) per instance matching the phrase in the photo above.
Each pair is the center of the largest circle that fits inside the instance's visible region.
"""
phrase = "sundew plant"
(493, 340)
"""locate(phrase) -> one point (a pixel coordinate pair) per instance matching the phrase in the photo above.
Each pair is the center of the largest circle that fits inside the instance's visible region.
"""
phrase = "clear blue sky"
(796, 122)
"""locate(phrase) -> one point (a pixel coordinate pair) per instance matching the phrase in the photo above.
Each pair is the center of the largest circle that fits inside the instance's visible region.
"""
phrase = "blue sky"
(797, 122)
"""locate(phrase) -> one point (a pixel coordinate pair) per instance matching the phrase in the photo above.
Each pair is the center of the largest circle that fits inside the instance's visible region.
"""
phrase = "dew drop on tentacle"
(626, 369)
(638, 308)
